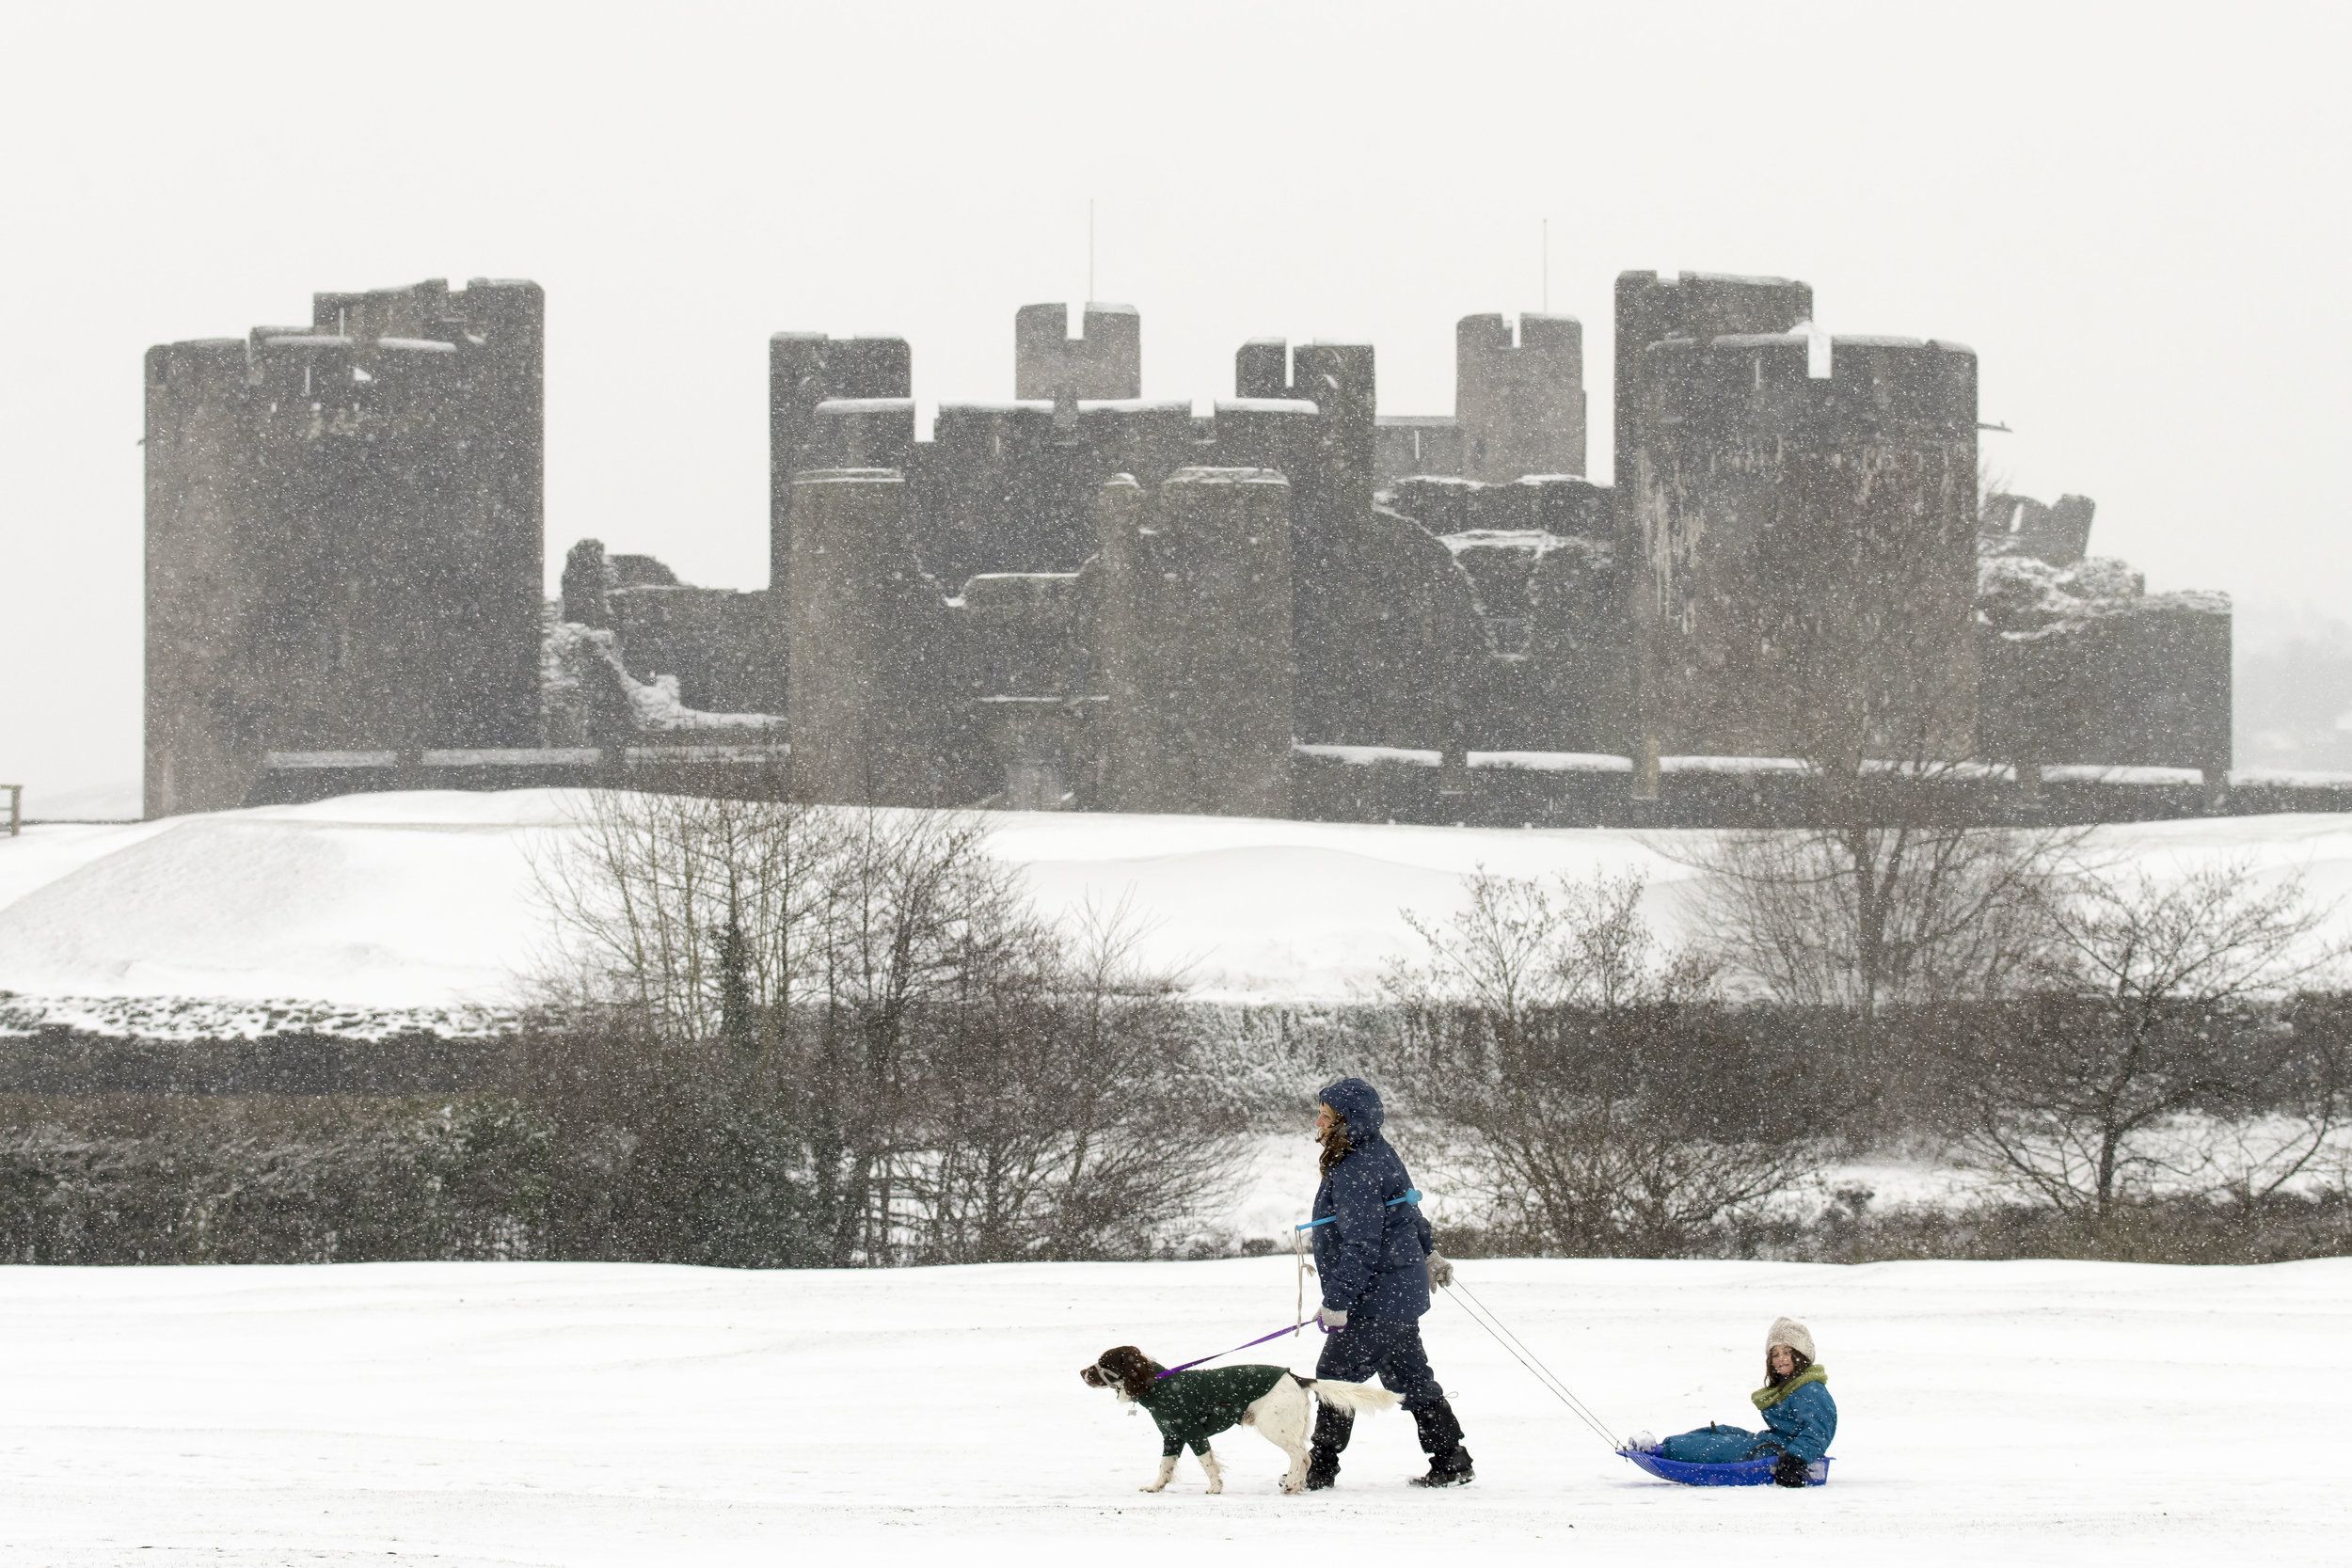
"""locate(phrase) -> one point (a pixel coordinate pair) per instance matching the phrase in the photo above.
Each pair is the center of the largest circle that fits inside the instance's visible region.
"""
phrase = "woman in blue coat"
(1799, 1417)
(1377, 1263)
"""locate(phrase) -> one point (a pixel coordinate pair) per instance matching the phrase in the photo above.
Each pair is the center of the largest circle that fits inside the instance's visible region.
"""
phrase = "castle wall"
(1308, 412)
(1408, 444)
(1808, 548)
(361, 501)
(2144, 683)
(1104, 361)
(1548, 503)
(1519, 405)
(1009, 487)
(872, 695)
(1195, 642)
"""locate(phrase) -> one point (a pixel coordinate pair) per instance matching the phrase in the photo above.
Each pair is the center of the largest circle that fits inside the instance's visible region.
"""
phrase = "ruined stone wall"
(344, 536)
(1808, 548)
(716, 641)
(1520, 405)
(1104, 361)
(715, 644)
(2082, 665)
(2019, 525)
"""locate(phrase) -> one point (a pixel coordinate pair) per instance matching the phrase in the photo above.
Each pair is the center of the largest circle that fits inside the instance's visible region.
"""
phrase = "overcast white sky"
(2136, 215)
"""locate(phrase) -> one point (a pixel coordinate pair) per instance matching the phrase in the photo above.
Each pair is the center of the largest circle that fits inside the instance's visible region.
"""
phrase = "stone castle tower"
(343, 536)
(1807, 539)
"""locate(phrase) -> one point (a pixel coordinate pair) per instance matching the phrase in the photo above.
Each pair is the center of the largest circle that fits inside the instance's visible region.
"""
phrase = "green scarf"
(1767, 1398)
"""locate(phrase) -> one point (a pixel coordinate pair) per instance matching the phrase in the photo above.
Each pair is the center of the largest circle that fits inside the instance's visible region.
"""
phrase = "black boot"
(1332, 1430)
(1441, 1440)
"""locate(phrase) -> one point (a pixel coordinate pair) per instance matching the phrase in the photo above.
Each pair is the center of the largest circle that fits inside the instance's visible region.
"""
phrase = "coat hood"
(1360, 1102)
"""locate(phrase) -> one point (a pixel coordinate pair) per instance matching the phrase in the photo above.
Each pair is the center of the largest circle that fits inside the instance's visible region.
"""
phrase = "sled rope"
(1518, 1349)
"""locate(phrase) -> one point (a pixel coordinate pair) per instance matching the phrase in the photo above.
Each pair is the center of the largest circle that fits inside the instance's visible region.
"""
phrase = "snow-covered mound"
(587, 1415)
(398, 903)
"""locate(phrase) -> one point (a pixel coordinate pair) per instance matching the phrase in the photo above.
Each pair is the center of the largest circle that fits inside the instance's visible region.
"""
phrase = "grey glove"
(1330, 1318)
(1440, 1271)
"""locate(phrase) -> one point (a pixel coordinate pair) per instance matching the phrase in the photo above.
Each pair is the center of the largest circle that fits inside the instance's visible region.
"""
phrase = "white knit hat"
(1787, 1331)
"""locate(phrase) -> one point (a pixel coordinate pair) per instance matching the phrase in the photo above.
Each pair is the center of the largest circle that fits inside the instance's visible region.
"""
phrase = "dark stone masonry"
(1291, 604)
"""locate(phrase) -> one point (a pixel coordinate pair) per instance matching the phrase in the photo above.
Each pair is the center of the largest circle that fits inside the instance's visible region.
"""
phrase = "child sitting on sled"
(1799, 1417)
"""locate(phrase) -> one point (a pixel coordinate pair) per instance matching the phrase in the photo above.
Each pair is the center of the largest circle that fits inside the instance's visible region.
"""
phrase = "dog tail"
(1350, 1397)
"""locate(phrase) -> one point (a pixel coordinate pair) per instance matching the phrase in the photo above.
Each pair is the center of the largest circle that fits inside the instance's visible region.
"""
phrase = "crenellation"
(1104, 361)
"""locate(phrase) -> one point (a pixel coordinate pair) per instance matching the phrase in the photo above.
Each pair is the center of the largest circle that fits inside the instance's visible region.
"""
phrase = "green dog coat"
(1193, 1407)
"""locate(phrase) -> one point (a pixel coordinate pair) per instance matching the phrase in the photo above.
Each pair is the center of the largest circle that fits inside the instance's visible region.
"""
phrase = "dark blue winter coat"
(1373, 1259)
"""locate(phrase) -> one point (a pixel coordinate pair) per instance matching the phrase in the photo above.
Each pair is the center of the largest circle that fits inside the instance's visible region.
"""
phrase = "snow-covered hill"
(404, 907)
(583, 1414)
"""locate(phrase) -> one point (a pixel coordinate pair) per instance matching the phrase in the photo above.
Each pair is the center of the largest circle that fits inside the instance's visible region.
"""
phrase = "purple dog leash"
(1244, 1345)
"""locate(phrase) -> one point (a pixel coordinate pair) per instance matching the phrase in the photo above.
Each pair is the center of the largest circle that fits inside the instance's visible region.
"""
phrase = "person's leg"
(1348, 1357)
(1710, 1445)
(1405, 1370)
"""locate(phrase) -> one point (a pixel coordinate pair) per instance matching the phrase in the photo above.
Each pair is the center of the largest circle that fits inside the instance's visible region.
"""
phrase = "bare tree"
(703, 914)
(2145, 1062)
(1883, 907)
(1064, 1118)
(1586, 1072)
(857, 1019)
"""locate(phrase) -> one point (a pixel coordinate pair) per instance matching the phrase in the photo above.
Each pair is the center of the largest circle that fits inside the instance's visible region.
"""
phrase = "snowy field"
(553, 1414)
(422, 902)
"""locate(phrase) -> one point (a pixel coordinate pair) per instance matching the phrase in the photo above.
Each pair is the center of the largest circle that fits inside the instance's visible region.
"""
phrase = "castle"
(1293, 605)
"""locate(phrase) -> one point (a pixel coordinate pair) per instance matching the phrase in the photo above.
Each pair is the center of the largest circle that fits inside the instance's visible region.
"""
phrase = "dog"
(1192, 1407)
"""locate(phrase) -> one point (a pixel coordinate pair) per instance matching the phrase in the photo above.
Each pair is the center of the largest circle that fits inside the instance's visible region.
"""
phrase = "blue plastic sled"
(1747, 1472)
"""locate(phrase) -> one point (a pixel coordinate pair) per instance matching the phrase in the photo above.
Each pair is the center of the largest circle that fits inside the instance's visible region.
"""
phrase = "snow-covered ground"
(529, 1414)
(426, 901)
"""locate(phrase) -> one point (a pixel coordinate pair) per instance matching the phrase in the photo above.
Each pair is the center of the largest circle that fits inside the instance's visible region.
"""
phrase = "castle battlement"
(1873, 379)
(1104, 361)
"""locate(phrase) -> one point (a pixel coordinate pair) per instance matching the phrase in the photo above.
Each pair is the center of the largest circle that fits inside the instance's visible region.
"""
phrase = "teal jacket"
(1800, 1414)
(1193, 1407)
